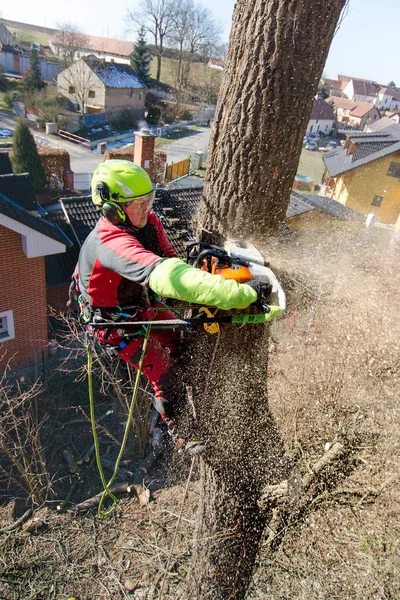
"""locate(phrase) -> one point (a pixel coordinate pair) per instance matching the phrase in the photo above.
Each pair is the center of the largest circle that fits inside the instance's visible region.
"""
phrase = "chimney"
(144, 151)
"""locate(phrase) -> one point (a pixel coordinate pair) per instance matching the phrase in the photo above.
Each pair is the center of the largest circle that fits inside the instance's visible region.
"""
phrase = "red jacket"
(115, 261)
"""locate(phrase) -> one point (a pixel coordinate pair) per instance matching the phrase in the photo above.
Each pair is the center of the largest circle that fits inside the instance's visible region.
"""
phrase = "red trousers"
(158, 366)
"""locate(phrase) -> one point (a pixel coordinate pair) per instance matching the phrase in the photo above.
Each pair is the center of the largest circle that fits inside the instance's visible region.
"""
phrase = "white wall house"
(321, 119)
(389, 99)
(108, 49)
(361, 90)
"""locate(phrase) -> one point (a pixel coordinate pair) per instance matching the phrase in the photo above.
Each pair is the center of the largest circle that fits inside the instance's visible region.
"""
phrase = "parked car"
(330, 146)
(313, 146)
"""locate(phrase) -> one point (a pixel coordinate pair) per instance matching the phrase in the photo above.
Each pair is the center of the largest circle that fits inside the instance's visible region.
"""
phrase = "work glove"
(263, 294)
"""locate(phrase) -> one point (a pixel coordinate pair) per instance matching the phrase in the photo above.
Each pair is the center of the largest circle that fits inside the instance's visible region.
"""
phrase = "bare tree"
(181, 22)
(155, 17)
(76, 82)
(203, 36)
(69, 40)
(277, 51)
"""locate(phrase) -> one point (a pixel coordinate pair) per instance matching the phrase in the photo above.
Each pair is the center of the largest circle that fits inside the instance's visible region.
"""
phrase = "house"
(108, 49)
(333, 86)
(215, 63)
(352, 113)
(365, 174)
(309, 211)
(364, 90)
(322, 118)
(395, 117)
(25, 241)
(360, 90)
(15, 55)
(388, 98)
(380, 124)
(95, 86)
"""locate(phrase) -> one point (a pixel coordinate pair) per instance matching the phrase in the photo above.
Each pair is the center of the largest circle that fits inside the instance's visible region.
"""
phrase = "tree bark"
(276, 55)
(244, 453)
(277, 51)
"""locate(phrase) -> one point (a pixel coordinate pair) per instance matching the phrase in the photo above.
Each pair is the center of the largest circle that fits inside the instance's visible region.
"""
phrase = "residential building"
(364, 174)
(395, 117)
(361, 90)
(25, 241)
(388, 98)
(94, 85)
(15, 56)
(354, 114)
(310, 211)
(334, 87)
(381, 124)
(215, 63)
(108, 49)
(322, 118)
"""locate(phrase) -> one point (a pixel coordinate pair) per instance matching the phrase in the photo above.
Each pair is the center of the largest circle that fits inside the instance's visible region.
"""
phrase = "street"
(84, 160)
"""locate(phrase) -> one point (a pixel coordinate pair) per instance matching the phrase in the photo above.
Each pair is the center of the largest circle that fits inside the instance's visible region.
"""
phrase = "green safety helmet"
(115, 182)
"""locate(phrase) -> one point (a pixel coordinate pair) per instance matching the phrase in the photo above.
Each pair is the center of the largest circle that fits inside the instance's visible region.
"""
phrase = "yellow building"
(365, 174)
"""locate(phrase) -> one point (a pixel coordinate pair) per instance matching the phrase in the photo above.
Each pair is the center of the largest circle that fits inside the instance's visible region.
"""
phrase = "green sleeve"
(173, 278)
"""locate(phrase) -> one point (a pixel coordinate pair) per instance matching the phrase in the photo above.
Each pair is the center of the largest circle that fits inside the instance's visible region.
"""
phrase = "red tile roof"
(357, 109)
(105, 45)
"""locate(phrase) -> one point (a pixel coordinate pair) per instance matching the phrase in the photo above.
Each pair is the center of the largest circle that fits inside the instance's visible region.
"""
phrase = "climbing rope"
(106, 485)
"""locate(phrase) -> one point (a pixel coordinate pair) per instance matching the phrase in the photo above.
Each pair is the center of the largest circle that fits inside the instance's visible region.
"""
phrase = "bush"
(154, 113)
(124, 119)
(11, 97)
(25, 157)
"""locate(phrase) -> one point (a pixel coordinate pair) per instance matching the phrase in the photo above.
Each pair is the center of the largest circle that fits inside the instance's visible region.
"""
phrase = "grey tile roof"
(18, 188)
(297, 206)
(18, 213)
(381, 124)
(369, 147)
(115, 75)
(329, 206)
(5, 164)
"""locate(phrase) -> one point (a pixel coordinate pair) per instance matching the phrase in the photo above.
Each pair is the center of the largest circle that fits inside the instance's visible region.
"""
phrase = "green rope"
(106, 485)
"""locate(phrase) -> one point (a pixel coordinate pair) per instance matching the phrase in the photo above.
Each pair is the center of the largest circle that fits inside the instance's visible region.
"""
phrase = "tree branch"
(295, 486)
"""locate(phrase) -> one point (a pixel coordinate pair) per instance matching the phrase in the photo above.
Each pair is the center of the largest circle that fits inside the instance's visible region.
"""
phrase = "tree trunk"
(159, 58)
(277, 51)
(244, 453)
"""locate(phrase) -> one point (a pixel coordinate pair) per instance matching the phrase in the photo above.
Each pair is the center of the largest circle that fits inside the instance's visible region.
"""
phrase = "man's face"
(137, 211)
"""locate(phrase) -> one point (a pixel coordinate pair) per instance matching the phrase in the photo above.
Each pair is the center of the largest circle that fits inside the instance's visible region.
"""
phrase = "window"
(71, 89)
(377, 201)
(394, 170)
(6, 326)
(92, 93)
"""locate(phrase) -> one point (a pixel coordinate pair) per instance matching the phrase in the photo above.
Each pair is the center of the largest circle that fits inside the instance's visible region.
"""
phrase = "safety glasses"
(141, 201)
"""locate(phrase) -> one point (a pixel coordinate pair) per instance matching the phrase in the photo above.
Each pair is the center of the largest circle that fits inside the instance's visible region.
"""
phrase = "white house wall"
(34, 243)
(319, 126)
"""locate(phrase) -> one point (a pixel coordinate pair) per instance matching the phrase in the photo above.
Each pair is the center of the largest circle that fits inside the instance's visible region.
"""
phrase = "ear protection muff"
(111, 210)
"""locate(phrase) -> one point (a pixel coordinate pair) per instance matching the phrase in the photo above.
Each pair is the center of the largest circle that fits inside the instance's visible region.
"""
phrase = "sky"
(365, 45)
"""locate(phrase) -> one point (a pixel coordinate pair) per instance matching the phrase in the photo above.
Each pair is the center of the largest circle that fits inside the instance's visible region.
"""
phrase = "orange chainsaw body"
(238, 273)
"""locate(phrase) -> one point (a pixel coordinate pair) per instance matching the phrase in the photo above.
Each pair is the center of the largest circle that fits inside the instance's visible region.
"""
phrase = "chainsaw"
(241, 262)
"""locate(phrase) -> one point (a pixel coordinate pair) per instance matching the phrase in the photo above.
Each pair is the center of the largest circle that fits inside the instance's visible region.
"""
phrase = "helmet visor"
(147, 199)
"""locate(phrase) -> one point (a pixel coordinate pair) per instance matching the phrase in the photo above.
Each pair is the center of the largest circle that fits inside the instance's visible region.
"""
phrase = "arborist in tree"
(125, 263)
